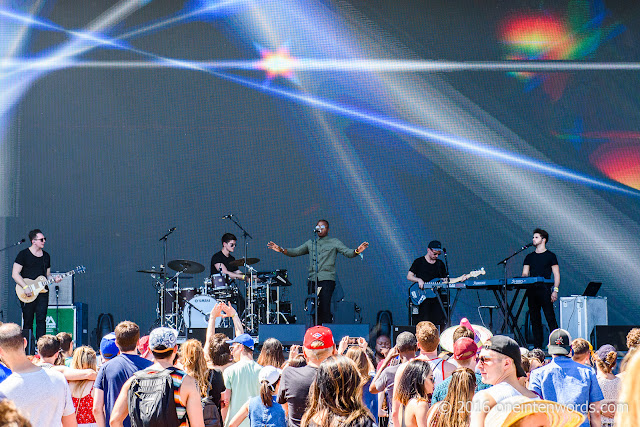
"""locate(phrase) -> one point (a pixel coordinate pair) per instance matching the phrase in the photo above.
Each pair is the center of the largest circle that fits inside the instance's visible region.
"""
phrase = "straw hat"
(446, 337)
(509, 411)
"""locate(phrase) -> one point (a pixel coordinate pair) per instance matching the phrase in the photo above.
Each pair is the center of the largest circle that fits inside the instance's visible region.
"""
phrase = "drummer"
(221, 262)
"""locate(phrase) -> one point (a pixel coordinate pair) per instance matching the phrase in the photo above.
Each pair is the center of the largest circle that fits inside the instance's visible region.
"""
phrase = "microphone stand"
(446, 264)
(249, 288)
(57, 309)
(504, 301)
(12, 245)
(163, 239)
(315, 290)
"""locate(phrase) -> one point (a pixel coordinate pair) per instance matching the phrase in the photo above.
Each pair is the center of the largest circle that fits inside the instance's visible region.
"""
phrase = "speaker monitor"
(616, 335)
(397, 330)
(287, 334)
(348, 330)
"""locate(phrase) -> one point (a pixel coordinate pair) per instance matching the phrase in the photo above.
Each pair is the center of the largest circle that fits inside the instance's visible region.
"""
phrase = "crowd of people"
(152, 380)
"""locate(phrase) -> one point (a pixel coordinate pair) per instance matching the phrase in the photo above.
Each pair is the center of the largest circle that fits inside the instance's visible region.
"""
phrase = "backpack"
(151, 400)
(210, 410)
(211, 413)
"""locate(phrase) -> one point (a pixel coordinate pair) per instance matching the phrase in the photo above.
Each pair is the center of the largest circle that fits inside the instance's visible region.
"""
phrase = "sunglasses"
(44, 239)
(483, 359)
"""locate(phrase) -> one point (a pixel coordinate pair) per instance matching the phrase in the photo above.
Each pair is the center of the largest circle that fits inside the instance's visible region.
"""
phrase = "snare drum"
(185, 294)
(196, 314)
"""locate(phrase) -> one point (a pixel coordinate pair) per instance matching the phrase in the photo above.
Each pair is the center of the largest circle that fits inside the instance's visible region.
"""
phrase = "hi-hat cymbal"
(150, 271)
(240, 262)
(186, 266)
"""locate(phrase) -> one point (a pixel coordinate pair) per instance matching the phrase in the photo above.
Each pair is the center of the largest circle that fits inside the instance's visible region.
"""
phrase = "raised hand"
(228, 310)
(362, 247)
(274, 247)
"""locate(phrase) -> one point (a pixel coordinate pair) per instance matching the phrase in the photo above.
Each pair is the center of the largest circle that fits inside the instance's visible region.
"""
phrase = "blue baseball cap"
(244, 339)
(108, 347)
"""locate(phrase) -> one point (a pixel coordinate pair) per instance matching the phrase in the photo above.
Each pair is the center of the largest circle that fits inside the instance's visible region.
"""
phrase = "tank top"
(502, 391)
(84, 408)
(437, 366)
(266, 416)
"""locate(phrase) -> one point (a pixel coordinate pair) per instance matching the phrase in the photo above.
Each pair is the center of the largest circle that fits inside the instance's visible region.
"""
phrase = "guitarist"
(31, 263)
(425, 269)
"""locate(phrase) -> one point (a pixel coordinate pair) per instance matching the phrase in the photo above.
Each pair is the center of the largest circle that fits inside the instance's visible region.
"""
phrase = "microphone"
(227, 216)
(172, 229)
(317, 229)
(528, 245)
(444, 250)
(20, 242)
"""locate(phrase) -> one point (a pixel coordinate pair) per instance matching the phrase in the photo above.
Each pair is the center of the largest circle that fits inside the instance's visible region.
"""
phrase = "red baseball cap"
(316, 335)
(465, 348)
(143, 344)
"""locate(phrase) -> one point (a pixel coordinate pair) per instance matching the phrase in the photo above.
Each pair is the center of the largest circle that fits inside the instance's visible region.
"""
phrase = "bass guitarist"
(31, 263)
(425, 269)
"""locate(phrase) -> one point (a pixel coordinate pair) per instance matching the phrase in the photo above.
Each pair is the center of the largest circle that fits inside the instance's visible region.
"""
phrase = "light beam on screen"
(286, 66)
(197, 9)
(436, 137)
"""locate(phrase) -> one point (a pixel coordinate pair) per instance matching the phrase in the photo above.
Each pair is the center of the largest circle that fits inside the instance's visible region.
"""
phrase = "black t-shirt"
(540, 263)
(294, 390)
(427, 271)
(33, 266)
(217, 386)
(218, 258)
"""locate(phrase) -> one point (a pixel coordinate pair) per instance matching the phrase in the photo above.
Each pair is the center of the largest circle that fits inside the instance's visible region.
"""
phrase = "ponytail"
(266, 393)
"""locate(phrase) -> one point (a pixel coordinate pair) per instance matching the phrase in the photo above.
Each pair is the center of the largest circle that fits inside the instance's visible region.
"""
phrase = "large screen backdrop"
(399, 122)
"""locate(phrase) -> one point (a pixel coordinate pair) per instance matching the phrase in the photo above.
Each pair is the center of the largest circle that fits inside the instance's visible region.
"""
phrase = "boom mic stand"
(12, 245)
(248, 289)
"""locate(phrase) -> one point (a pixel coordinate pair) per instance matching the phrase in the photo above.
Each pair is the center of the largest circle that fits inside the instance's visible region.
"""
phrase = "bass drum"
(196, 314)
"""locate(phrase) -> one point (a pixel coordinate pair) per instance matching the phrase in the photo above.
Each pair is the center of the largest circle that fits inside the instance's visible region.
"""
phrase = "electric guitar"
(418, 295)
(38, 285)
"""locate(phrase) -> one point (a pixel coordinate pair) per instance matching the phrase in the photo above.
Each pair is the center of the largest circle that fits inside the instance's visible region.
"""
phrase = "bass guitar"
(39, 285)
(418, 295)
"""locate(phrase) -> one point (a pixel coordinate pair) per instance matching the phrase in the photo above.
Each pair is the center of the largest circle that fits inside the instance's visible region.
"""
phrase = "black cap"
(435, 245)
(559, 343)
(508, 347)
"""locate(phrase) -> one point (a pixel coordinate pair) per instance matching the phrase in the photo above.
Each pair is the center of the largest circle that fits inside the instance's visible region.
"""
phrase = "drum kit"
(189, 307)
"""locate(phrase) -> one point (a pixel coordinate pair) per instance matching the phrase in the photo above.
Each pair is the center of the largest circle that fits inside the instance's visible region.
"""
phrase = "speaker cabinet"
(398, 329)
(616, 335)
(65, 291)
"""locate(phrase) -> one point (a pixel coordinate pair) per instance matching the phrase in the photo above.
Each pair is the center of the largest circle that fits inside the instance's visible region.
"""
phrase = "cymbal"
(150, 271)
(186, 266)
(240, 262)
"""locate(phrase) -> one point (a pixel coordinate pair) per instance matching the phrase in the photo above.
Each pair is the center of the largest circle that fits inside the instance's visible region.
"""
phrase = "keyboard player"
(541, 262)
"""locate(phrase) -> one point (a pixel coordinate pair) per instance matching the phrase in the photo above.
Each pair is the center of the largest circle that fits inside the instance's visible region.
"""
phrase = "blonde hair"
(84, 357)
(455, 410)
(630, 394)
(192, 358)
